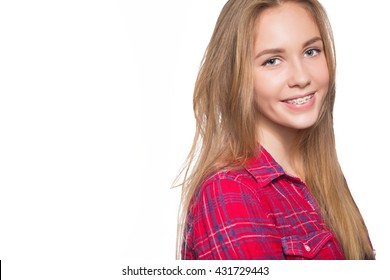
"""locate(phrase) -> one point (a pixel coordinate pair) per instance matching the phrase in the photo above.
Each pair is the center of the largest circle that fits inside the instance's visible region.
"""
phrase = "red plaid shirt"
(258, 212)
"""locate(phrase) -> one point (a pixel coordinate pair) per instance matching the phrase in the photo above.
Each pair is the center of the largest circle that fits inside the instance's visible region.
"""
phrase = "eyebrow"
(279, 50)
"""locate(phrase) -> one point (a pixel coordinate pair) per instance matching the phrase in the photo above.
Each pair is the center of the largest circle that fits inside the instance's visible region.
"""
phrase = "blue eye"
(271, 62)
(312, 52)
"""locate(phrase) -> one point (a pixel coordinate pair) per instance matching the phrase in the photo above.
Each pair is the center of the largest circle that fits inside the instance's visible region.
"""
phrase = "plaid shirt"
(258, 212)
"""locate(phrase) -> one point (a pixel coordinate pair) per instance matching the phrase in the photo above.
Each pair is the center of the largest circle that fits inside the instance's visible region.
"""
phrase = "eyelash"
(268, 62)
(316, 50)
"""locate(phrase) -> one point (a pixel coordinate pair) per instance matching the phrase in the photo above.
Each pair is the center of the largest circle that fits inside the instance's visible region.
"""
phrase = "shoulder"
(228, 218)
(229, 180)
(228, 187)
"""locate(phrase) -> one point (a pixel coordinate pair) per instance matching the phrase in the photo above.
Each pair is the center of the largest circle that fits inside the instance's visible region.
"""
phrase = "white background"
(96, 119)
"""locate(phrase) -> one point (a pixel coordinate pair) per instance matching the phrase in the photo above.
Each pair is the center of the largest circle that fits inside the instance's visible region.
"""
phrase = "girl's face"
(290, 72)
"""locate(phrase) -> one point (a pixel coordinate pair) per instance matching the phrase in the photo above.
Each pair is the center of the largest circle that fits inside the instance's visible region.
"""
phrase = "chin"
(303, 120)
(301, 124)
(303, 127)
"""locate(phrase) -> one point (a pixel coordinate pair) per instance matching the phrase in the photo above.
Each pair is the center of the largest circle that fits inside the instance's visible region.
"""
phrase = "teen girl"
(262, 179)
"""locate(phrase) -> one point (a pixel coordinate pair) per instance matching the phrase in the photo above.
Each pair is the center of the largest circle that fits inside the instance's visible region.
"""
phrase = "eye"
(272, 62)
(312, 52)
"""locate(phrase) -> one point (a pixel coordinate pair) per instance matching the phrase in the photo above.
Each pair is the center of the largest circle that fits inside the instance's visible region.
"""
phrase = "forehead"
(283, 25)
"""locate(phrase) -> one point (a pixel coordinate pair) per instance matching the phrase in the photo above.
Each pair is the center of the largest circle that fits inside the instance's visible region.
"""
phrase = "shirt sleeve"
(229, 222)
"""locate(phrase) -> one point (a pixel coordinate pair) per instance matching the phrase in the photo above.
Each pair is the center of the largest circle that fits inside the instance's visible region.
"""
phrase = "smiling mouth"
(300, 101)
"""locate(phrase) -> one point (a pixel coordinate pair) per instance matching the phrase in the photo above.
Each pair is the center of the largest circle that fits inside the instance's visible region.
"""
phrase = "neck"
(279, 141)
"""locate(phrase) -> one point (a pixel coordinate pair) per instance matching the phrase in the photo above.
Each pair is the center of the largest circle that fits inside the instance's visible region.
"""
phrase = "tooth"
(300, 101)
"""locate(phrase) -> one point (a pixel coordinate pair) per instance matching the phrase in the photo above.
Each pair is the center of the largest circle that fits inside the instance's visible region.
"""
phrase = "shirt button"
(307, 248)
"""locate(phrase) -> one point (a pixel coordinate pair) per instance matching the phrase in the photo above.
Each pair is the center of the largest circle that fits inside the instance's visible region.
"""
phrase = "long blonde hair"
(226, 123)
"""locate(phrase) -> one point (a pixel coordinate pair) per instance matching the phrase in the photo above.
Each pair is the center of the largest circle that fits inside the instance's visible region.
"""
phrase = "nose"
(299, 75)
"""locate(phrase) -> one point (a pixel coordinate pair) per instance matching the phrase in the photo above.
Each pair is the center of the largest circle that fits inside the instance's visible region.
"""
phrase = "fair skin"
(291, 77)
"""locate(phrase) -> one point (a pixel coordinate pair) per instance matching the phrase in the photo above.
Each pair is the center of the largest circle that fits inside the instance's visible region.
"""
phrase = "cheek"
(321, 74)
(267, 87)
(323, 82)
(320, 77)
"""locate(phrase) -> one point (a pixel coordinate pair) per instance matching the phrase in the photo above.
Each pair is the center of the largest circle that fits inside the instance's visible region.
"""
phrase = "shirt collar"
(264, 168)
